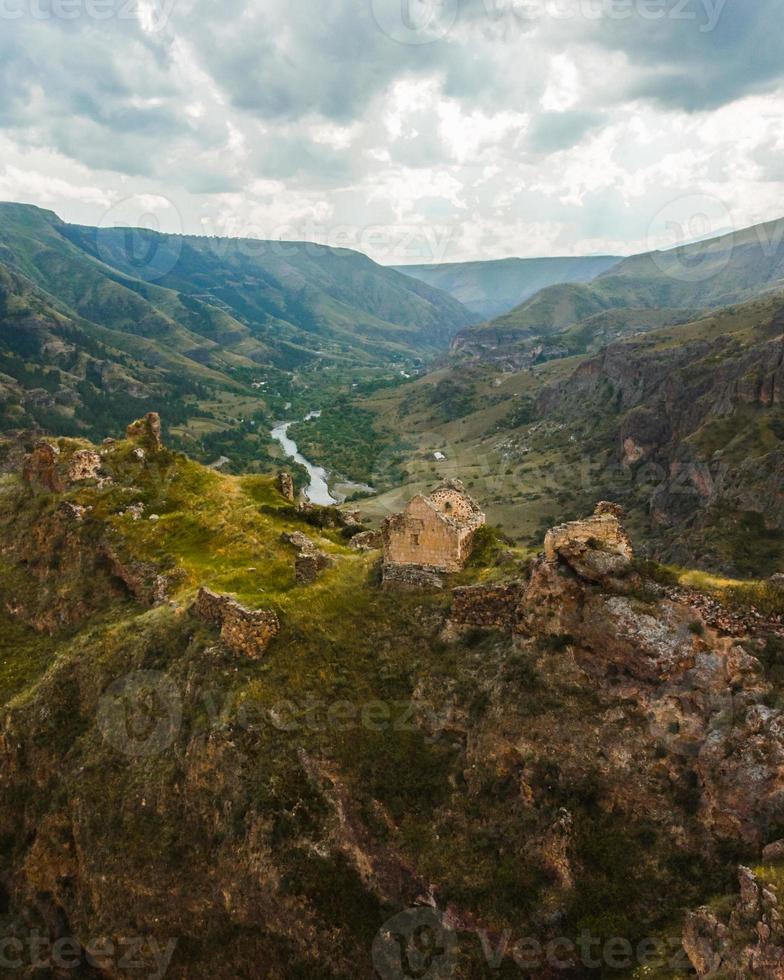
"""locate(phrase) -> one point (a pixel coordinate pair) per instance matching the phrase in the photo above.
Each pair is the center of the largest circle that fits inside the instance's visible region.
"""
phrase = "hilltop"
(541, 746)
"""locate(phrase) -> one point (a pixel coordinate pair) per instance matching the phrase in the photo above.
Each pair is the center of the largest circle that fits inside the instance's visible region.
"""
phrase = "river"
(317, 491)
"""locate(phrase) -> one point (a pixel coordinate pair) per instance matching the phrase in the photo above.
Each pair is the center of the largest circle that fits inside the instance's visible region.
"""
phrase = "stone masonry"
(434, 532)
(244, 631)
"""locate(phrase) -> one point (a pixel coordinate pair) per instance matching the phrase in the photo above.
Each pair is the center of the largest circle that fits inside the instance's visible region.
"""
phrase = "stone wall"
(486, 606)
(244, 631)
(412, 577)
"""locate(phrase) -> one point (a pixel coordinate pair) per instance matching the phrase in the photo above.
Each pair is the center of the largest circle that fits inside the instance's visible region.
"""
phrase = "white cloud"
(511, 135)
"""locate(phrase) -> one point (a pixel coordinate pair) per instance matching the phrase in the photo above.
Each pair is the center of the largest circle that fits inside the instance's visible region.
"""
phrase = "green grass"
(24, 657)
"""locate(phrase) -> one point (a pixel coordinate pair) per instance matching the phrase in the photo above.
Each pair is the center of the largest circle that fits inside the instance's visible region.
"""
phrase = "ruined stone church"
(434, 532)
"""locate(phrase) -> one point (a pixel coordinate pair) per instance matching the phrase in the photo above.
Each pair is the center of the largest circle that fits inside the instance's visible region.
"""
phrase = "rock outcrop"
(597, 548)
(247, 632)
(747, 943)
(147, 431)
(310, 561)
(56, 469)
(285, 485)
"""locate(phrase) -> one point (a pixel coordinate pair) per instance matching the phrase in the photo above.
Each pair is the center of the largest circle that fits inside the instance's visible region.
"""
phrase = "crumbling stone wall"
(245, 631)
(285, 486)
(486, 606)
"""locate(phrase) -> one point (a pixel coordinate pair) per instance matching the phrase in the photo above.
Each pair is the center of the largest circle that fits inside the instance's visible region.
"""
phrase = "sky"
(413, 130)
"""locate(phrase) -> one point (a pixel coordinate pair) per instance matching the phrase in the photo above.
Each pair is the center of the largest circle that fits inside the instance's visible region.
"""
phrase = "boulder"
(309, 564)
(367, 541)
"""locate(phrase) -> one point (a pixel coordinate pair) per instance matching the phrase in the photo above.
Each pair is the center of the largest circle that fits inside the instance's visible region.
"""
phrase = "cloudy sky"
(411, 129)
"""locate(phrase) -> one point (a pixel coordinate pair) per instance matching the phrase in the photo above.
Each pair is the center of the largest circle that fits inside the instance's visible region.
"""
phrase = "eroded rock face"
(750, 943)
(247, 632)
(147, 430)
(703, 694)
(41, 467)
(597, 548)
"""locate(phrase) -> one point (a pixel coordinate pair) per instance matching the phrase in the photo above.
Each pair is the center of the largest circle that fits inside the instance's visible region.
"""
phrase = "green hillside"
(97, 325)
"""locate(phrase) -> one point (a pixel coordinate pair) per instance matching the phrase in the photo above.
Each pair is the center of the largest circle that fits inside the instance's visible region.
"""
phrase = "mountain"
(208, 763)
(490, 289)
(667, 285)
(147, 319)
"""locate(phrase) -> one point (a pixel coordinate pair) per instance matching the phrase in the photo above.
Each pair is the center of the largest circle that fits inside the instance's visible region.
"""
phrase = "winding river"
(317, 491)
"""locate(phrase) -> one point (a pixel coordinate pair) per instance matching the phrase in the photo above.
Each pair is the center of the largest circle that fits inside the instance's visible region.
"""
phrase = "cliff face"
(697, 427)
(556, 750)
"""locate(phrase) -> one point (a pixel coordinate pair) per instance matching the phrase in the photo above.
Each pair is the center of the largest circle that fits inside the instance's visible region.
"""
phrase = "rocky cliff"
(537, 773)
(697, 427)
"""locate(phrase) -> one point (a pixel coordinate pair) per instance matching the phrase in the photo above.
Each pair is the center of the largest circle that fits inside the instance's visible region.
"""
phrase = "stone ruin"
(247, 632)
(597, 550)
(433, 535)
(309, 561)
(285, 486)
